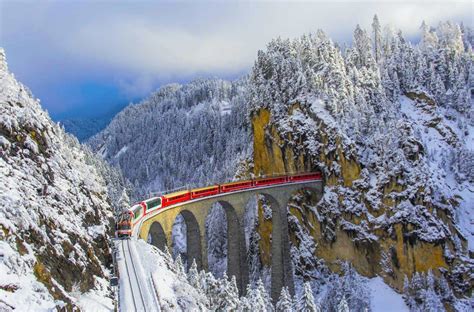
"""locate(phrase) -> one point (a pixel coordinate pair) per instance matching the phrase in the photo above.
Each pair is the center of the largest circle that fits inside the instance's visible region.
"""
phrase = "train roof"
(153, 198)
(176, 194)
(237, 182)
(204, 188)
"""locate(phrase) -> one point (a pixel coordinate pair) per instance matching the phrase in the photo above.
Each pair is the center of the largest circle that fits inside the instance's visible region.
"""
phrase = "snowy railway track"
(138, 290)
(135, 289)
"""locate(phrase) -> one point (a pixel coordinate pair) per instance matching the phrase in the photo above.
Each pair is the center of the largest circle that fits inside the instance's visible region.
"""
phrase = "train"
(134, 215)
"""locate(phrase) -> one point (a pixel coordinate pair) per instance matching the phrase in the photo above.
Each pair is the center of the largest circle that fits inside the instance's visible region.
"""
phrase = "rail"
(134, 273)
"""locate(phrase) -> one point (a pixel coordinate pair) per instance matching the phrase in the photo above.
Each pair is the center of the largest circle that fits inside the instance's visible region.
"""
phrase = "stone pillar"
(157, 235)
(287, 265)
(282, 275)
(236, 251)
(193, 239)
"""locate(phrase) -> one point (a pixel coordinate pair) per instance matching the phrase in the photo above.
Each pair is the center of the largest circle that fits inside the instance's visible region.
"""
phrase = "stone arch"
(156, 236)
(193, 238)
(236, 252)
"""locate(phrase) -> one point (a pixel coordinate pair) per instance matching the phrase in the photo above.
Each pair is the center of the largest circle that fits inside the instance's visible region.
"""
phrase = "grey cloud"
(146, 41)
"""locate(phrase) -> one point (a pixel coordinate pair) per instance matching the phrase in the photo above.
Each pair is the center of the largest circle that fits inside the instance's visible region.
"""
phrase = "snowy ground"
(384, 298)
(155, 276)
(436, 146)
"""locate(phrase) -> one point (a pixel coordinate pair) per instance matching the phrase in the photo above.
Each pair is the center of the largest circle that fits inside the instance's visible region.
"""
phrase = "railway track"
(135, 288)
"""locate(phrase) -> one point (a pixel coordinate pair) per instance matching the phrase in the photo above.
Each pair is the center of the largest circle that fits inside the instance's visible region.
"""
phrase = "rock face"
(55, 213)
(392, 136)
(378, 241)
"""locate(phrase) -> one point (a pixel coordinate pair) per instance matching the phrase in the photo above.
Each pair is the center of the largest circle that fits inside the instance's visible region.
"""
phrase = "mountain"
(389, 123)
(56, 212)
(181, 135)
(84, 128)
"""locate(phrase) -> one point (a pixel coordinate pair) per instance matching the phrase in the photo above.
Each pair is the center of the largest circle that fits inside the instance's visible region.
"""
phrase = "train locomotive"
(134, 215)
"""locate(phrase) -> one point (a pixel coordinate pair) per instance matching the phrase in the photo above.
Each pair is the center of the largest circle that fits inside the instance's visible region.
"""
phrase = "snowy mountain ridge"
(55, 210)
(202, 124)
(389, 122)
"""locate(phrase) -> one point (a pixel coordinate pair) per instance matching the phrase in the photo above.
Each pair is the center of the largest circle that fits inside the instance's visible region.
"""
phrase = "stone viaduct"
(159, 227)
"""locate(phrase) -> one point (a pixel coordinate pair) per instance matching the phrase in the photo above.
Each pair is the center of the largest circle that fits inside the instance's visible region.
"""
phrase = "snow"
(384, 298)
(54, 208)
(121, 152)
(436, 148)
(174, 292)
(29, 294)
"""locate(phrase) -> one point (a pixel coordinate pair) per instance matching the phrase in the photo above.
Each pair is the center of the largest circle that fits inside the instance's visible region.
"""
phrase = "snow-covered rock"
(55, 211)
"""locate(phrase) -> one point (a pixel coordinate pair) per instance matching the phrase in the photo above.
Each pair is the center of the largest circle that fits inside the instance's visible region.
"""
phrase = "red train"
(132, 216)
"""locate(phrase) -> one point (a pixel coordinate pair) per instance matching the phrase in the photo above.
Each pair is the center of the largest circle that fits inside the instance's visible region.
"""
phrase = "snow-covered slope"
(172, 287)
(55, 212)
(180, 135)
(389, 123)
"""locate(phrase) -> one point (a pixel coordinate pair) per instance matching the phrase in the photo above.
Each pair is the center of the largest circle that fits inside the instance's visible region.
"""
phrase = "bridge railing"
(190, 186)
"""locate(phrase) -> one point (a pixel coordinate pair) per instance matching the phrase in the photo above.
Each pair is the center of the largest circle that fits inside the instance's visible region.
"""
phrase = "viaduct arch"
(159, 226)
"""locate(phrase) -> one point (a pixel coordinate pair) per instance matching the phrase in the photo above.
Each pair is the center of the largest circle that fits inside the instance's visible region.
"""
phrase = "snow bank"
(384, 298)
(174, 291)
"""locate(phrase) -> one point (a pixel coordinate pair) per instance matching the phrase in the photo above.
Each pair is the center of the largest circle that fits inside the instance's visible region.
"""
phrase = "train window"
(137, 213)
(154, 202)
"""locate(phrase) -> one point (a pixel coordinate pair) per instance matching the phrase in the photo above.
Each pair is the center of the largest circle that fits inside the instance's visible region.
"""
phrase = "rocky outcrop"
(55, 212)
(385, 228)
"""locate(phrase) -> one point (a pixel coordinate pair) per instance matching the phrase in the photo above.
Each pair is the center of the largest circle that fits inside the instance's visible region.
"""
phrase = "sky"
(89, 58)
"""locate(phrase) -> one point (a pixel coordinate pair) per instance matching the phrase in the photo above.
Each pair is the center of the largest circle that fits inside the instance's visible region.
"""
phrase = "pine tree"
(444, 290)
(343, 305)
(377, 37)
(179, 268)
(258, 298)
(285, 302)
(202, 281)
(124, 201)
(265, 296)
(168, 254)
(193, 275)
(211, 290)
(306, 301)
(227, 296)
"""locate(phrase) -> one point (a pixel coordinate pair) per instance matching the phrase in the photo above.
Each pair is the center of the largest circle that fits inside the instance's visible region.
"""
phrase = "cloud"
(214, 38)
(138, 45)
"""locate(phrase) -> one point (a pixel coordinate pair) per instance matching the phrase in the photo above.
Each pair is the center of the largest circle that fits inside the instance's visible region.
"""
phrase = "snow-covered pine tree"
(377, 38)
(306, 300)
(124, 201)
(168, 254)
(343, 305)
(202, 281)
(234, 292)
(211, 290)
(179, 268)
(285, 302)
(193, 275)
(227, 298)
(258, 298)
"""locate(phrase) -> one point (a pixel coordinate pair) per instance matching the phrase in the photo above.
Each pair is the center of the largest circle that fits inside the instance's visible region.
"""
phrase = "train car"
(235, 186)
(270, 181)
(204, 191)
(152, 204)
(138, 211)
(174, 198)
(124, 224)
(305, 177)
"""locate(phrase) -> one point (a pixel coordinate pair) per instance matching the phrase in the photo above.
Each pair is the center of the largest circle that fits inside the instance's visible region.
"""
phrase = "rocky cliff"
(55, 212)
(397, 168)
